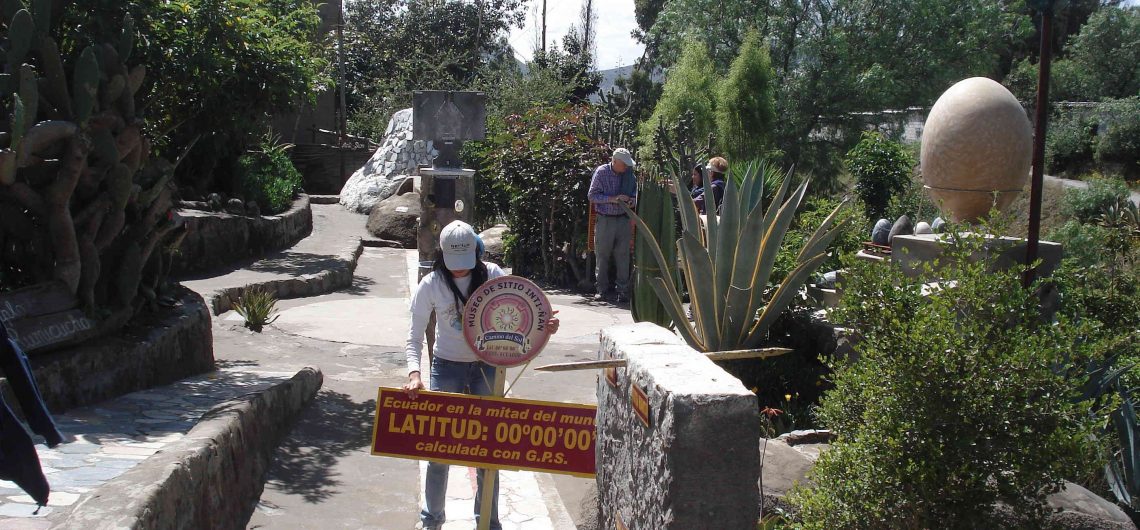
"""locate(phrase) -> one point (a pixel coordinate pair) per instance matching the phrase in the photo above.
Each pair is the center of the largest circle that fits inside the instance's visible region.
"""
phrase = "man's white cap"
(458, 242)
(622, 154)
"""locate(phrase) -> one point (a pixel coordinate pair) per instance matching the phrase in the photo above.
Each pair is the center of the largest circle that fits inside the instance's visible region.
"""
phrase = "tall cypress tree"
(744, 110)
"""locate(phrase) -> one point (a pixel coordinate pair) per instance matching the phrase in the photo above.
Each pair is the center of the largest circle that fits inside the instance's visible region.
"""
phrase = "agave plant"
(727, 262)
(258, 308)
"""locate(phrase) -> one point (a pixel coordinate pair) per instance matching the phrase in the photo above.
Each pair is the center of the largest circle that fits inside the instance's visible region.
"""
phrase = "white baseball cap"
(622, 154)
(458, 243)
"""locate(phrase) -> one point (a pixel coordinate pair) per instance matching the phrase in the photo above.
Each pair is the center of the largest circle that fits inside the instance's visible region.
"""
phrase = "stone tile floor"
(107, 439)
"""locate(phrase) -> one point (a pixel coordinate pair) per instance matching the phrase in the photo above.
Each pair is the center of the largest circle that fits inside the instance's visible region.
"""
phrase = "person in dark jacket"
(716, 169)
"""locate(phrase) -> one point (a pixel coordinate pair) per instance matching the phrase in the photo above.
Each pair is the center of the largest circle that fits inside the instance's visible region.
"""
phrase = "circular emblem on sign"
(504, 321)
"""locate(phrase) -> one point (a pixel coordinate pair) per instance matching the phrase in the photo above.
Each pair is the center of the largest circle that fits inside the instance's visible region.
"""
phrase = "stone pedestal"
(446, 195)
(910, 252)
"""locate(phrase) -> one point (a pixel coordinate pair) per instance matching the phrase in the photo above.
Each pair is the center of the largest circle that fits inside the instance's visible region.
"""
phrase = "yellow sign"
(640, 403)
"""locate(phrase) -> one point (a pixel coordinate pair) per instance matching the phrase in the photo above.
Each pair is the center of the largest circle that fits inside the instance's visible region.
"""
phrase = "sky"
(615, 22)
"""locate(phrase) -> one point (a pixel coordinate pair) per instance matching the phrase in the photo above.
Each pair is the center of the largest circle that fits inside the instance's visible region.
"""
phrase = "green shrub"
(881, 168)
(1069, 143)
(1119, 135)
(912, 201)
(850, 239)
(954, 403)
(1083, 243)
(268, 177)
(1086, 204)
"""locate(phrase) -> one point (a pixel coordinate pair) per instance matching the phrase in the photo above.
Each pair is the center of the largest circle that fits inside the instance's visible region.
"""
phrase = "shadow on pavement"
(329, 429)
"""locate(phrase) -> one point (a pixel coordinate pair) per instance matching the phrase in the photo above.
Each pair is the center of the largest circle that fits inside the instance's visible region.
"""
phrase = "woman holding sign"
(456, 274)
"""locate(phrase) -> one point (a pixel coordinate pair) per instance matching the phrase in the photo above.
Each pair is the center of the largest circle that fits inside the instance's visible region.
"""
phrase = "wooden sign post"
(491, 476)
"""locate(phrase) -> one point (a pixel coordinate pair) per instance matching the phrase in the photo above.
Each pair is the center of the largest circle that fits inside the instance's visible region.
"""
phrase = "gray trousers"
(611, 241)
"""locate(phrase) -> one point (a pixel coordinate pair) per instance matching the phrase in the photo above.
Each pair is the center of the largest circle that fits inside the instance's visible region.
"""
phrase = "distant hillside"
(610, 76)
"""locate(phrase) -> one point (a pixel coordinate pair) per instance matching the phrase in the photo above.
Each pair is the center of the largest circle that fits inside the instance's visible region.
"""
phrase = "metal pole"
(490, 476)
(1041, 122)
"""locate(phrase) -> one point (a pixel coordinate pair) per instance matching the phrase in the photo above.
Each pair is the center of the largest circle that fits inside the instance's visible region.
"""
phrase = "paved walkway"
(105, 440)
(1080, 184)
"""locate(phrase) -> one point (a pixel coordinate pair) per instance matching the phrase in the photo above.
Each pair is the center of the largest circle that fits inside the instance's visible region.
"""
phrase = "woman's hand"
(414, 385)
(553, 322)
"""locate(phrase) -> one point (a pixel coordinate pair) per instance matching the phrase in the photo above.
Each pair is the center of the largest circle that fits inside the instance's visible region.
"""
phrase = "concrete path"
(1080, 184)
(357, 337)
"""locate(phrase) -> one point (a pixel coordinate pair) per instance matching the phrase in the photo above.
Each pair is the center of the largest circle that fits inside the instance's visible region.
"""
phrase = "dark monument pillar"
(447, 190)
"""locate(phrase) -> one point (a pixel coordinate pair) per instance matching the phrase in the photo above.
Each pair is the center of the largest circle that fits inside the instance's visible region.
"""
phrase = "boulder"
(397, 157)
(922, 227)
(902, 226)
(235, 207)
(396, 219)
(252, 209)
(493, 243)
(880, 232)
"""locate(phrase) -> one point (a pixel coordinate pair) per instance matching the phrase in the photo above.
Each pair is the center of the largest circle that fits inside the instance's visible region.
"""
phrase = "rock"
(235, 207)
(827, 280)
(397, 219)
(902, 226)
(252, 209)
(1074, 499)
(937, 225)
(408, 186)
(493, 243)
(922, 227)
(784, 466)
(880, 234)
(215, 202)
(810, 436)
(397, 157)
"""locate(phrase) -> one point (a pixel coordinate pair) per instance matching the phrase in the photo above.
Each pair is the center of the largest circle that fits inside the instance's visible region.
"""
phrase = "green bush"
(1086, 204)
(912, 201)
(953, 404)
(541, 162)
(268, 177)
(814, 210)
(1119, 135)
(690, 87)
(1083, 243)
(881, 169)
(1069, 144)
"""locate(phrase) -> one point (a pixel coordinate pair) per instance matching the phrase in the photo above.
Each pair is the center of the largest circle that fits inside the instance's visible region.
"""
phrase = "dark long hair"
(478, 278)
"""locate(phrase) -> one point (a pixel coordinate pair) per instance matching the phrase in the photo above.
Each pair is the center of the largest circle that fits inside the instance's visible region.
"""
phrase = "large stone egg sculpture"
(977, 146)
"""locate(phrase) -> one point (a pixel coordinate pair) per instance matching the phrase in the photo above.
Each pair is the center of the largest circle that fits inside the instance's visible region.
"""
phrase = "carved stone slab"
(43, 315)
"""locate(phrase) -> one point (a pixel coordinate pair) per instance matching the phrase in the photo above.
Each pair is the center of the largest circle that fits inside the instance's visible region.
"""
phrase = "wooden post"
(490, 476)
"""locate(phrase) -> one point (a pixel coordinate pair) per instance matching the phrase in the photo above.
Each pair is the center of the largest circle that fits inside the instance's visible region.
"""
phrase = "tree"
(396, 46)
(215, 69)
(745, 112)
(689, 88)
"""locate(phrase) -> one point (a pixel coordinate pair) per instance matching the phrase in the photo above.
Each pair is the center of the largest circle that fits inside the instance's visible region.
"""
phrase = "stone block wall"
(696, 464)
(152, 351)
(215, 239)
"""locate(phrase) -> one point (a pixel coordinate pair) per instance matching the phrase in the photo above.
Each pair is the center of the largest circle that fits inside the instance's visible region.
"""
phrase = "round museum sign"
(504, 321)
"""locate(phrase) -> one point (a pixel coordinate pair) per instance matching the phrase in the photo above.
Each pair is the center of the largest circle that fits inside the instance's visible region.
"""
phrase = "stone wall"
(154, 350)
(214, 239)
(397, 157)
(212, 477)
(696, 464)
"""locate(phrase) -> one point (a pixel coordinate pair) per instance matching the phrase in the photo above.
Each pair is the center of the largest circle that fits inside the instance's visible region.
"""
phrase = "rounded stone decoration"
(977, 141)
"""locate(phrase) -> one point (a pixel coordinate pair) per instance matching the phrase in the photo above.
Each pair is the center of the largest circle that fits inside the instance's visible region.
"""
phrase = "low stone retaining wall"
(214, 239)
(696, 464)
(337, 276)
(212, 477)
(156, 350)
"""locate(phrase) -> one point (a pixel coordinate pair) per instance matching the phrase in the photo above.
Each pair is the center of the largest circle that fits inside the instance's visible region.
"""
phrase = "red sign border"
(479, 465)
(536, 348)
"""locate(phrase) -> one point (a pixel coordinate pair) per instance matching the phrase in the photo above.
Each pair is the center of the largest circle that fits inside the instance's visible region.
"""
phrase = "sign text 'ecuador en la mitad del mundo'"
(486, 432)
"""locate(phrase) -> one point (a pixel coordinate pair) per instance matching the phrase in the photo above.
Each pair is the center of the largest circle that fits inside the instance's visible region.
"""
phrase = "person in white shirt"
(456, 273)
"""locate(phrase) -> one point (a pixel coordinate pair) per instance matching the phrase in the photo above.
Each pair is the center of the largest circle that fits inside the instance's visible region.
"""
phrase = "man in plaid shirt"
(612, 185)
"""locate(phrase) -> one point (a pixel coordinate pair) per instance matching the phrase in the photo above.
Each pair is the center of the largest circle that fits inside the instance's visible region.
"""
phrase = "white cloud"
(615, 22)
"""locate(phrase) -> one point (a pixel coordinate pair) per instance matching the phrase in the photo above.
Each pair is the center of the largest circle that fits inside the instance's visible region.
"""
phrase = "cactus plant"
(727, 261)
(81, 199)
